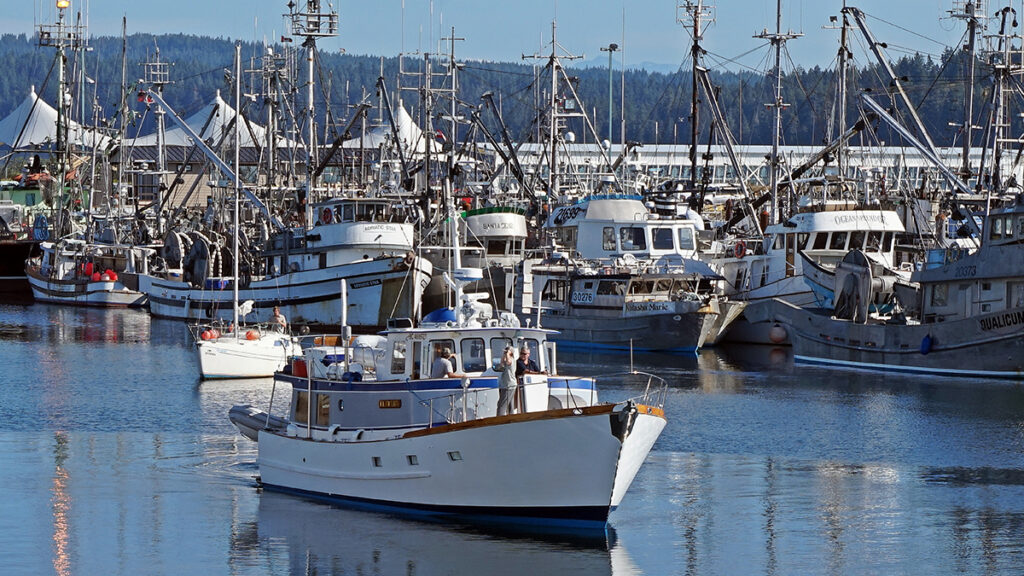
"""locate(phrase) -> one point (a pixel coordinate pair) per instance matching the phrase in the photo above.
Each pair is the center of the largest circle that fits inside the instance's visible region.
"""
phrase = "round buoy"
(95, 277)
(88, 269)
(777, 334)
(205, 335)
(112, 275)
(252, 335)
(214, 333)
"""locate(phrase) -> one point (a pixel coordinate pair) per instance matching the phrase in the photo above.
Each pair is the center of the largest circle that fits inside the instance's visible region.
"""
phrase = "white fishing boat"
(79, 273)
(362, 241)
(623, 278)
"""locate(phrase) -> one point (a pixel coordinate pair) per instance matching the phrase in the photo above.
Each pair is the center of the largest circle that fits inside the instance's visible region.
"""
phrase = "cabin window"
(874, 241)
(497, 349)
(801, 240)
(554, 290)
(940, 294)
(534, 347)
(413, 460)
(663, 285)
(398, 357)
(686, 241)
(887, 239)
(566, 237)
(608, 239)
(1015, 295)
(820, 241)
(301, 407)
(661, 238)
(641, 287)
(496, 247)
(1008, 229)
(588, 285)
(610, 288)
(1020, 226)
(323, 409)
(997, 229)
(474, 358)
(348, 213)
(780, 241)
(438, 346)
(632, 239)
(376, 461)
(838, 241)
(857, 240)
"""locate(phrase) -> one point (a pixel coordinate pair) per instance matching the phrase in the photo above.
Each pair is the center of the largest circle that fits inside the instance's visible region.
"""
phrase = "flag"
(439, 135)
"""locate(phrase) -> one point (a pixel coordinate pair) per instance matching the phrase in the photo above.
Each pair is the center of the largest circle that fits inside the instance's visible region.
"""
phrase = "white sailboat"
(251, 352)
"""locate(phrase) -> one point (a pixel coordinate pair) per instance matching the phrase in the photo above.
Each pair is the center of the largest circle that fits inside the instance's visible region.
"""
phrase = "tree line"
(656, 106)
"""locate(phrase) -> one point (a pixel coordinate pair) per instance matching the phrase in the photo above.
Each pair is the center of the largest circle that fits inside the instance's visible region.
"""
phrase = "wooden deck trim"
(527, 417)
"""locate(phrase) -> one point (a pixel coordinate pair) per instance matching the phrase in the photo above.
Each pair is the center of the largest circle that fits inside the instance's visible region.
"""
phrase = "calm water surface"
(116, 459)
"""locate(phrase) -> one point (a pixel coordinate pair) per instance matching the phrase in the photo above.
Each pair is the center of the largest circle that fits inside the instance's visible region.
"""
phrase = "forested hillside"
(656, 104)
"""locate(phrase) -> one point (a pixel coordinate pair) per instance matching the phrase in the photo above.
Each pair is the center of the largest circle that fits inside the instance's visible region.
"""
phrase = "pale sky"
(647, 29)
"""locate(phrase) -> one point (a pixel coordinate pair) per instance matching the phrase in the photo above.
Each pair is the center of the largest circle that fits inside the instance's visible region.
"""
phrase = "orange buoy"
(205, 335)
(252, 335)
(214, 333)
(777, 334)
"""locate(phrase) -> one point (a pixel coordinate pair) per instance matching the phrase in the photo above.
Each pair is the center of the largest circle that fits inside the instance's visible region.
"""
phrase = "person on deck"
(507, 381)
(442, 366)
(279, 319)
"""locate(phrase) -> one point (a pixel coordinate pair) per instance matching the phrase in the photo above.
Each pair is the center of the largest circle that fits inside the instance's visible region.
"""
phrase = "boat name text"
(567, 213)
(648, 307)
(1002, 320)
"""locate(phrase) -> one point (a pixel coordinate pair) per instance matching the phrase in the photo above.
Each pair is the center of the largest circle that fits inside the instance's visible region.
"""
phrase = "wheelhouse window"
(820, 241)
(997, 229)
(554, 290)
(857, 240)
(874, 241)
(1008, 229)
(632, 239)
(474, 358)
(838, 241)
(887, 240)
(661, 238)
(608, 239)
(566, 237)
(496, 247)
(534, 347)
(497, 349)
(438, 346)
(611, 287)
(641, 287)
(398, 357)
(686, 240)
(801, 240)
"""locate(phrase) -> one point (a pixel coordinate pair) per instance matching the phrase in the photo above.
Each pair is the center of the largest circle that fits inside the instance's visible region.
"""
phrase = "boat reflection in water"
(316, 538)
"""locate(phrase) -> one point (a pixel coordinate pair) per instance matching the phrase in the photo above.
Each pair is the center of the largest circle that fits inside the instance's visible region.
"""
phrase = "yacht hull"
(565, 467)
(228, 357)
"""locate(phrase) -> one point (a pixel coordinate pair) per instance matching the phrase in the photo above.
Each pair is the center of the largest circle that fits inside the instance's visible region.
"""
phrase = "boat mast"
(311, 24)
(158, 75)
(777, 39)
(61, 36)
(697, 17)
(238, 185)
(969, 13)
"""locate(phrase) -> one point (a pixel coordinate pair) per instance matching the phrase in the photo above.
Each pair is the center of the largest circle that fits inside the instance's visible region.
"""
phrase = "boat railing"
(454, 402)
(655, 391)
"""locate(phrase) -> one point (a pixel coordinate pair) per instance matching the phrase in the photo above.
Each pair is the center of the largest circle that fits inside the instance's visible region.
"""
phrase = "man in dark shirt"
(525, 365)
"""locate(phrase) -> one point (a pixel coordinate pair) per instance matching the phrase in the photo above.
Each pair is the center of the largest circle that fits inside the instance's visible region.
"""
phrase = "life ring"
(739, 249)
(327, 216)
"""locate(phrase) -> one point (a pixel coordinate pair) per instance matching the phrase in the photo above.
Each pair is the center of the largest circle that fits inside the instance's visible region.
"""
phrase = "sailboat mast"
(238, 181)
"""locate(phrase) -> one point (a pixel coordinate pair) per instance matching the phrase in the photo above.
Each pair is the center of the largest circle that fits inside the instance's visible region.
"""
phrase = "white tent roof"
(34, 123)
(222, 117)
(410, 135)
